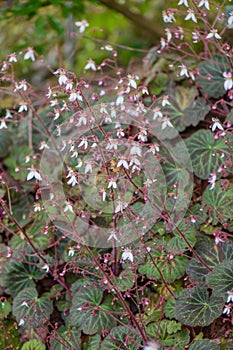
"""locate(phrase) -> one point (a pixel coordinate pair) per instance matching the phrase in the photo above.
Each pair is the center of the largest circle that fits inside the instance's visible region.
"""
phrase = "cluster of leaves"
(104, 251)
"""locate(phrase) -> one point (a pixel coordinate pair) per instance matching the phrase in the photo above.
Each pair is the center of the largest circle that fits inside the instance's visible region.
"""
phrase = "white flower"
(46, 268)
(120, 132)
(142, 136)
(71, 252)
(8, 114)
(68, 207)
(183, 71)
(90, 65)
(75, 96)
(24, 303)
(168, 17)
(216, 124)
(163, 43)
(123, 162)
(43, 145)
(37, 207)
(151, 346)
(168, 34)
(196, 37)
(213, 34)
(62, 80)
(136, 150)
(204, 3)
(147, 183)
(154, 148)
(3, 124)
(113, 235)
(104, 194)
(227, 310)
(21, 322)
(145, 91)
(80, 163)
(22, 85)
(83, 143)
(23, 107)
(230, 297)
(88, 167)
(228, 84)
(183, 2)
(103, 108)
(127, 255)
(166, 122)
(72, 181)
(157, 113)
(33, 174)
(132, 81)
(112, 144)
(112, 183)
(212, 180)
(119, 100)
(82, 25)
(120, 207)
(230, 18)
(12, 57)
(191, 16)
(165, 101)
(29, 54)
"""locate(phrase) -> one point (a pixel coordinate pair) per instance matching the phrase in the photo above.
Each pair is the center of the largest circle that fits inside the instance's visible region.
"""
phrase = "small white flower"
(90, 65)
(27, 159)
(8, 114)
(142, 136)
(165, 101)
(88, 167)
(230, 297)
(119, 100)
(83, 24)
(83, 143)
(71, 252)
(196, 37)
(12, 58)
(22, 85)
(123, 162)
(21, 322)
(147, 183)
(212, 180)
(34, 174)
(191, 16)
(80, 163)
(68, 207)
(228, 84)
(136, 150)
(112, 183)
(22, 107)
(183, 2)
(103, 108)
(112, 144)
(168, 34)
(151, 346)
(3, 124)
(204, 3)
(29, 54)
(132, 81)
(74, 95)
(127, 255)
(227, 310)
(104, 194)
(157, 113)
(213, 34)
(46, 268)
(43, 145)
(230, 18)
(120, 207)
(113, 236)
(183, 71)
(168, 17)
(24, 303)
(120, 133)
(37, 207)
(154, 148)
(145, 91)
(72, 181)
(166, 123)
(163, 43)
(62, 80)
(216, 124)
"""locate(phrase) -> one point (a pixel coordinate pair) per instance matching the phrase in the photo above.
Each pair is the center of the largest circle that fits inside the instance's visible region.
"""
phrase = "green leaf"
(186, 108)
(125, 280)
(66, 337)
(36, 310)
(56, 25)
(202, 146)
(121, 337)
(88, 313)
(212, 255)
(5, 309)
(218, 203)
(177, 242)
(210, 76)
(93, 342)
(33, 344)
(221, 278)
(169, 307)
(18, 275)
(196, 308)
(204, 344)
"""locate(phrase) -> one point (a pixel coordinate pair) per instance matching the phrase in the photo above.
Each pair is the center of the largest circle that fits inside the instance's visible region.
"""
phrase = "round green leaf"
(221, 278)
(204, 344)
(125, 280)
(88, 313)
(66, 338)
(202, 146)
(121, 337)
(196, 308)
(33, 344)
(33, 310)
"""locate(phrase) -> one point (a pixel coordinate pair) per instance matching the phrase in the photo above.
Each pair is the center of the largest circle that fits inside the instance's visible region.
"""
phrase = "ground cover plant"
(116, 190)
